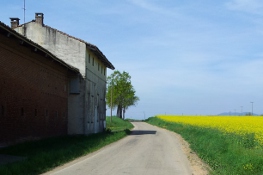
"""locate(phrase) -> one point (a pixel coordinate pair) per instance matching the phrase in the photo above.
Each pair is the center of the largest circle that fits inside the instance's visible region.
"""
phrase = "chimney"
(39, 17)
(14, 22)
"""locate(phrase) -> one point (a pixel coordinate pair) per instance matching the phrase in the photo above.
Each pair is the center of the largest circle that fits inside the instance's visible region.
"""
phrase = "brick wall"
(33, 94)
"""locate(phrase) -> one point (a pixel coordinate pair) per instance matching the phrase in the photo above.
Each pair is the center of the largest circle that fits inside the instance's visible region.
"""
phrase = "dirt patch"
(197, 165)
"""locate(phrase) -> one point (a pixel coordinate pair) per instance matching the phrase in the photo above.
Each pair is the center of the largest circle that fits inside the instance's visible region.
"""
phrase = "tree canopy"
(120, 92)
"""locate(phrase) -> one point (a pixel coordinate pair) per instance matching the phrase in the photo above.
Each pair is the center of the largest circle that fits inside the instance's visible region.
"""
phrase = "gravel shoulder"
(197, 165)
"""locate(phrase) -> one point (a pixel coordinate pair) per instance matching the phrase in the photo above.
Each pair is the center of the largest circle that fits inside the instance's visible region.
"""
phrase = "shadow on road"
(142, 132)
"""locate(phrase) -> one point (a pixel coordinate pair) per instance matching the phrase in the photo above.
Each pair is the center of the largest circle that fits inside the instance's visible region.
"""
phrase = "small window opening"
(35, 112)
(89, 58)
(22, 112)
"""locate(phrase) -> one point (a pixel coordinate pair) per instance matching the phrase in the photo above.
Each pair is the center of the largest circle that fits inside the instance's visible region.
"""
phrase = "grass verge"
(46, 154)
(226, 154)
(117, 124)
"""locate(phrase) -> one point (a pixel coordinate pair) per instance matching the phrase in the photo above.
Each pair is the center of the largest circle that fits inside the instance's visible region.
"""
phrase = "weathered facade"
(87, 106)
(34, 87)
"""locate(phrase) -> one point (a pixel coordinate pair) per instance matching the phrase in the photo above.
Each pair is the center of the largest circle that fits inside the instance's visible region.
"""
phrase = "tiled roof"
(8, 31)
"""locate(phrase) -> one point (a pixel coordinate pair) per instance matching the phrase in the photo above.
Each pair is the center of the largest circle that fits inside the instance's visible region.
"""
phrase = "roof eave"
(100, 55)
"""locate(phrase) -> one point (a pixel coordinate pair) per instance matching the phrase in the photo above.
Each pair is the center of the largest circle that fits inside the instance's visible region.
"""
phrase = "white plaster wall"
(96, 91)
(70, 50)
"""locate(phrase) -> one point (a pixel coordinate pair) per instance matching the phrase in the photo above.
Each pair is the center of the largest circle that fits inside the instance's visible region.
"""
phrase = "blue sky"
(197, 57)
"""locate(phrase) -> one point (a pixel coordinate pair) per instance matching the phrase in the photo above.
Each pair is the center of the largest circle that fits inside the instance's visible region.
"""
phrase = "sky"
(191, 57)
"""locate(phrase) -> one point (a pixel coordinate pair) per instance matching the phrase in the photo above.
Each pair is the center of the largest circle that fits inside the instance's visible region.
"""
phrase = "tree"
(120, 92)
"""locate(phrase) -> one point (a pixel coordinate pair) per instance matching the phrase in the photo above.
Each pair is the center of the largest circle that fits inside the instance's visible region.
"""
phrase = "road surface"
(149, 150)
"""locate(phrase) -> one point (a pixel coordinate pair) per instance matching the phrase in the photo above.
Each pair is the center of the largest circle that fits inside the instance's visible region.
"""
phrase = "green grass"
(43, 155)
(226, 154)
(117, 124)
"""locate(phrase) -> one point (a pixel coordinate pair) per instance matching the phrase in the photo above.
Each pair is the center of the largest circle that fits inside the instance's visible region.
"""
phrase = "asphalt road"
(148, 150)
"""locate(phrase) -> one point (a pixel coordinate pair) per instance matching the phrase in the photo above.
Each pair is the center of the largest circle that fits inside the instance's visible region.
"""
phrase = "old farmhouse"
(34, 88)
(86, 106)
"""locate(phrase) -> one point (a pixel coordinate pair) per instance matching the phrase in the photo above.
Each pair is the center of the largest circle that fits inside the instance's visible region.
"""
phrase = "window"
(35, 112)
(89, 58)
(92, 61)
(22, 112)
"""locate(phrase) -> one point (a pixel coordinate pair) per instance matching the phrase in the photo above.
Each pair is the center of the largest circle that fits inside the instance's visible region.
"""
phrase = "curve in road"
(148, 150)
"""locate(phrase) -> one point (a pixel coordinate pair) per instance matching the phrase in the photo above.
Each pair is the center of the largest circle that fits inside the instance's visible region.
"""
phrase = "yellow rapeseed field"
(231, 124)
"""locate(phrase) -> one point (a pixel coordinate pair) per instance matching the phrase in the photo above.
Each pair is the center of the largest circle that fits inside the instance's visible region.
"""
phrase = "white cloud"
(148, 5)
(249, 6)
(145, 4)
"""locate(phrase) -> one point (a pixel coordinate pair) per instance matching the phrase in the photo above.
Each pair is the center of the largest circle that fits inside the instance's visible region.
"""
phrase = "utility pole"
(252, 108)
(111, 101)
(241, 110)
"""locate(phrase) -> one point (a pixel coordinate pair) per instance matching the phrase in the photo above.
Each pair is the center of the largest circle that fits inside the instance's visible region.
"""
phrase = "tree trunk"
(123, 113)
(119, 111)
